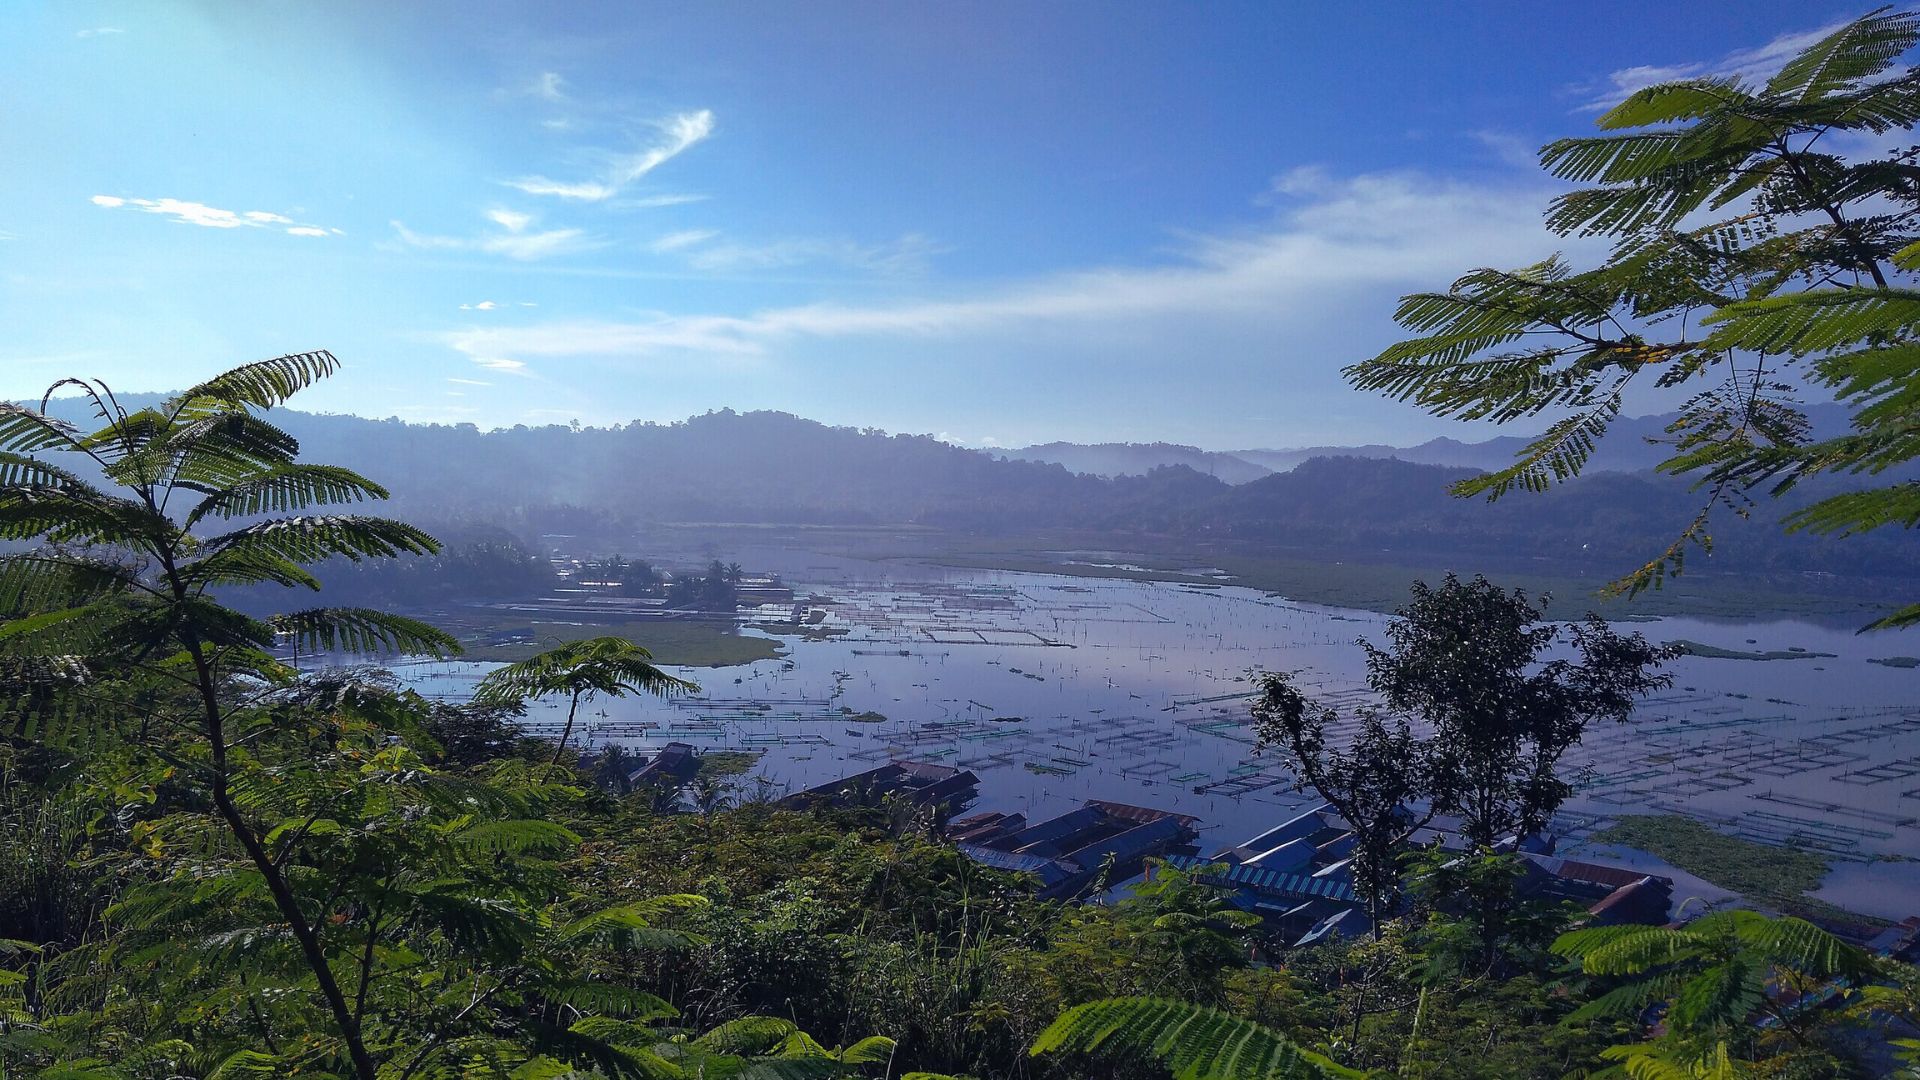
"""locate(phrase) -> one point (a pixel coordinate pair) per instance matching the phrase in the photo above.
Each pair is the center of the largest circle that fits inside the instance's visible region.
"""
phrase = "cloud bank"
(1331, 240)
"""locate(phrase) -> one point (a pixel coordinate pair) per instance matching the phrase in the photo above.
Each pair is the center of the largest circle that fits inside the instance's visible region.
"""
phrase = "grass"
(1715, 652)
(728, 763)
(1773, 877)
(676, 642)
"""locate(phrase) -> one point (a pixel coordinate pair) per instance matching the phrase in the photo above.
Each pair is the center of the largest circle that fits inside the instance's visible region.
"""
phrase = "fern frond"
(520, 837)
(1855, 52)
(1667, 103)
(1194, 1041)
(362, 631)
(27, 431)
(1557, 455)
(287, 487)
(262, 384)
(1815, 321)
(310, 540)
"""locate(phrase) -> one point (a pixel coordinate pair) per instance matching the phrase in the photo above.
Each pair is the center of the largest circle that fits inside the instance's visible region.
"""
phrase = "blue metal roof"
(1269, 881)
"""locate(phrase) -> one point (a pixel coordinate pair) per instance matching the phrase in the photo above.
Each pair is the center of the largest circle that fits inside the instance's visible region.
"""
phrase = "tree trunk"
(283, 897)
(566, 732)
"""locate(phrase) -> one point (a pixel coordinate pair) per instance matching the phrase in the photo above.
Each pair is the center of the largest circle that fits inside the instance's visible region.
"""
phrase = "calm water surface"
(1055, 689)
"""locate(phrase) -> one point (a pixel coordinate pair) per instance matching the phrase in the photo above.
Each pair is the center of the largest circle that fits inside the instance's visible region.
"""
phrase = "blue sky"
(998, 222)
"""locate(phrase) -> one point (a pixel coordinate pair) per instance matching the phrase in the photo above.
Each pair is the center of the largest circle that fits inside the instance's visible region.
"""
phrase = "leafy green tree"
(1731, 991)
(1761, 248)
(125, 573)
(580, 670)
(1470, 662)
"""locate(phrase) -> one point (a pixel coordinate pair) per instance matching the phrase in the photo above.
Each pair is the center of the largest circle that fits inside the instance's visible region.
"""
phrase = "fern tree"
(137, 523)
(1753, 259)
(579, 670)
(1729, 991)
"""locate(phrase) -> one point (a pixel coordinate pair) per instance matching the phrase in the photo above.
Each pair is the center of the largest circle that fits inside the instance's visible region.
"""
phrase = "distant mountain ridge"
(778, 469)
(1634, 444)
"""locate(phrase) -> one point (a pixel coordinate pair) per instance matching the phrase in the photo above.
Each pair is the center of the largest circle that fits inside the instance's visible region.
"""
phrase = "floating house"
(944, 787)
(674, 764)
(1070, 853)
(1297, 876)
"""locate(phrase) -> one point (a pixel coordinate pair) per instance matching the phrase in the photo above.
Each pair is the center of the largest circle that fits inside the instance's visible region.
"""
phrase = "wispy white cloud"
(685, 238)
(515, 238)
(484, 305)
(467, 382)
(1754, 65)
(510, 220)
(501, 364)
(212, 217)
(905, 256)
(100, 31)
(678, 133)
(650, 202)
(1370, 235)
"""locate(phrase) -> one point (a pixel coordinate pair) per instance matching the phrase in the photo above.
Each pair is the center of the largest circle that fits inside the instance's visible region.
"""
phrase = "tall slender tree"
(127, 562)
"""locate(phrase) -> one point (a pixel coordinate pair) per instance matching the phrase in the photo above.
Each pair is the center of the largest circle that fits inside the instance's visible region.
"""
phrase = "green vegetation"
(1772, 876)
(212, 865)
(1716, 652)
(722, 764)
(1737, 983)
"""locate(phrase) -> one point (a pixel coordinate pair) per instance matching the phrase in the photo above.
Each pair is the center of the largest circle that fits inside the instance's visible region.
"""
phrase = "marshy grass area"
(1716, 652)
(501, 636)
(1764, 874)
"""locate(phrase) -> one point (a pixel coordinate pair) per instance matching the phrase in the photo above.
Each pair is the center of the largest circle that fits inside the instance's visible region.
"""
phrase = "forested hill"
(1138, 459)
(768, 467)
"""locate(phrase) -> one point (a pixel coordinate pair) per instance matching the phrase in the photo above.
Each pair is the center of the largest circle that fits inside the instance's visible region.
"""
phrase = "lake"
(1055, 688)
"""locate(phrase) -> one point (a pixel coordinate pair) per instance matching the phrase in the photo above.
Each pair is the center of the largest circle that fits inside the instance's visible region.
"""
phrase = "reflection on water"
(1055, 689)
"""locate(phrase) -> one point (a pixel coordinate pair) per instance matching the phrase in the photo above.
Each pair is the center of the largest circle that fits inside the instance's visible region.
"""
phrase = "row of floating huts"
(1296, 876)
